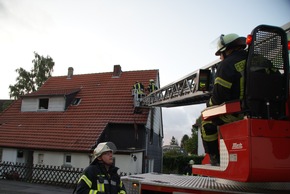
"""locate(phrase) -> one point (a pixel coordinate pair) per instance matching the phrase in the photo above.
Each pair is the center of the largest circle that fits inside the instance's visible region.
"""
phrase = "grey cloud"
(177, 121)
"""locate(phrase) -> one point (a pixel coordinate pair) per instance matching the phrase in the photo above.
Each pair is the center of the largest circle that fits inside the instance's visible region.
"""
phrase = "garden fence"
(44, 174)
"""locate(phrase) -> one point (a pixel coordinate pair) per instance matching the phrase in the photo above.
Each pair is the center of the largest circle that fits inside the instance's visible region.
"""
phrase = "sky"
(174, 36)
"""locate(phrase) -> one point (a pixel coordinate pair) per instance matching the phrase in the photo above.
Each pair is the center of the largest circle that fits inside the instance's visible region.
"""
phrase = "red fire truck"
(255, 151)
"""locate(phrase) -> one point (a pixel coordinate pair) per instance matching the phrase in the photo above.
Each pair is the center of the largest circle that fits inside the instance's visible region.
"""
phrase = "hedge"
(176, 164)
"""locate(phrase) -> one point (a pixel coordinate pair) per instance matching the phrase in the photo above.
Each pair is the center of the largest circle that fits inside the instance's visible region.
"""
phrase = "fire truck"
(255, 151)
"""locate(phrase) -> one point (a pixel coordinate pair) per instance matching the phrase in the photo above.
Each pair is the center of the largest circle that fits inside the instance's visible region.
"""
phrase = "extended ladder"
(191, 89)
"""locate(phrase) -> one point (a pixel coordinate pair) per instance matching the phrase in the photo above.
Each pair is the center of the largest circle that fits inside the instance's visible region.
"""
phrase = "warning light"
(288, 45)
(249, 39)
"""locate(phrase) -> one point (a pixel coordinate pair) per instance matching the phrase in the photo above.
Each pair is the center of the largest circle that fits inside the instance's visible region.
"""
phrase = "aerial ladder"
(192, 89)
(255, 151)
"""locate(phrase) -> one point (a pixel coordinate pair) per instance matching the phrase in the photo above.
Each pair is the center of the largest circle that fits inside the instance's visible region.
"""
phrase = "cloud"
(178, 121)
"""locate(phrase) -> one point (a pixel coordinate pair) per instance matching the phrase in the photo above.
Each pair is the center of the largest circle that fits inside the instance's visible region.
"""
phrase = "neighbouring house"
(175, 148)
(62, 122)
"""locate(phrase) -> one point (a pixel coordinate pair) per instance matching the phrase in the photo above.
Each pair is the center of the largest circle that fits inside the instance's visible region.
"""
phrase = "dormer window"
(50, 101)
(76, 101)
(43, 104)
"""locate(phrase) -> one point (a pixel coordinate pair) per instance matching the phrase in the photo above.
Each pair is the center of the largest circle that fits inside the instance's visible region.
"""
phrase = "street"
(12, 187)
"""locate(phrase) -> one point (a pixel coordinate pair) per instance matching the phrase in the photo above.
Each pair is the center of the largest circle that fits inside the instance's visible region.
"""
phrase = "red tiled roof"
(52, 92)
(104, 99)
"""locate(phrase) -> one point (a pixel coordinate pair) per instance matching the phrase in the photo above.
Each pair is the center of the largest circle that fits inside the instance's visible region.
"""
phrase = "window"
(43, 104)
(76, 101)
(67, 159)
(20, 153)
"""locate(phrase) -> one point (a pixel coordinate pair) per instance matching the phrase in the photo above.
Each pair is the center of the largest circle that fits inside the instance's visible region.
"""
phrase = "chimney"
(70, 72)
(117, 71)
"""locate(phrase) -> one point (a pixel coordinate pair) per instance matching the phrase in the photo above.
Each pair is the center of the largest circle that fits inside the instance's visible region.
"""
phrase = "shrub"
(176, 164)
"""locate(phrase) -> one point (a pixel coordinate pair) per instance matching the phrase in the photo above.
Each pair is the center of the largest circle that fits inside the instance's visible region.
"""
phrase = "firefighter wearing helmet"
(188, 168)
(101, 175)
(228, 86)
(152, 86)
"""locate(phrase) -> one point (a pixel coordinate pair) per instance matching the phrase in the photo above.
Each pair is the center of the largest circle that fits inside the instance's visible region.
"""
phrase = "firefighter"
(139, 88)
(152, 87)
(228, 86)
(101, 175)
(188, 168)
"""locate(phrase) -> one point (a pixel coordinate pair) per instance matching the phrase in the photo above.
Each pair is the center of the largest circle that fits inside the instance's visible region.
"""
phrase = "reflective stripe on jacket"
(139, 87)
(152, 87)
(229, 81)
(96, 179)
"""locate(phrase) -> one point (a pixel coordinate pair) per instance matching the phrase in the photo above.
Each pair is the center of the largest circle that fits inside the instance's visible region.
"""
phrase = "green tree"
(191, 145)
(5, 105)
(183, 140)
(27, 82)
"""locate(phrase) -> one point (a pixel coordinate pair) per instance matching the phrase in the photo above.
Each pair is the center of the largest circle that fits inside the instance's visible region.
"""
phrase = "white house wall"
(80, 160)
(58, 159)
(127, 165)
(54, 104)
(200, 148)
(29, 104)
(9, 155)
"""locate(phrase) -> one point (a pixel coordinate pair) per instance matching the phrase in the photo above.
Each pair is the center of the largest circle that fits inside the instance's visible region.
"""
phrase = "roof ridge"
(107, 72)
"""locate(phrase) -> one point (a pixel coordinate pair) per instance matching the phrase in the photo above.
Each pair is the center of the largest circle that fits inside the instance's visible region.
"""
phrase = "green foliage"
(175, 164)
(190, 145)
(30, 81)
(5, 105)
(183, 140)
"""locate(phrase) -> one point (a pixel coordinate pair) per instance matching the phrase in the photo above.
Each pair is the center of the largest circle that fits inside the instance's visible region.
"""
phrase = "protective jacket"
(152, 87)
(229, 81)
(187, 170)
(139, 87)
(97, 180)
(228, 86)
